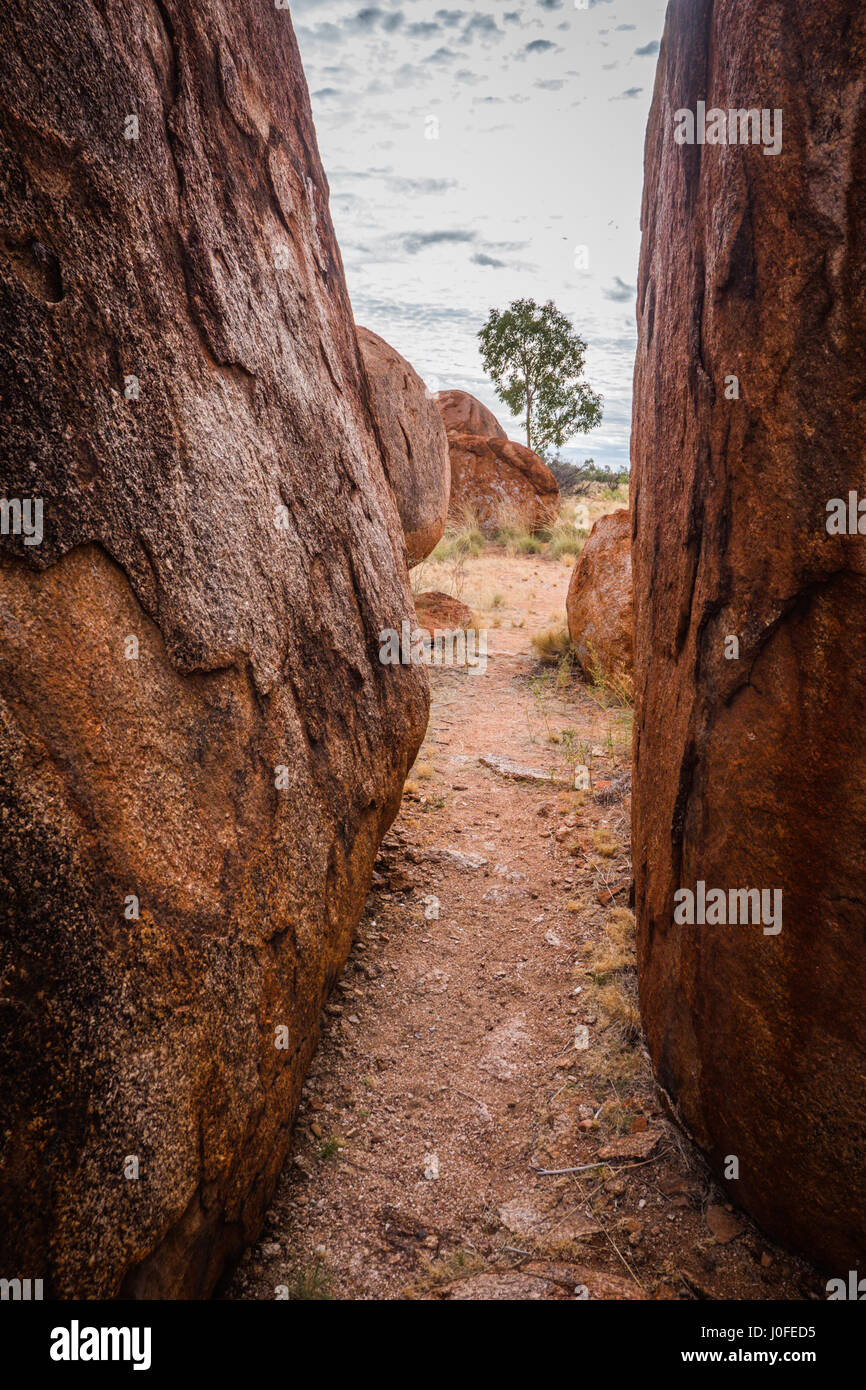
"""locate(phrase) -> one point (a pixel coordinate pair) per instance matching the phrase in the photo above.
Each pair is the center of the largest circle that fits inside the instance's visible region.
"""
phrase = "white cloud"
(435, 232)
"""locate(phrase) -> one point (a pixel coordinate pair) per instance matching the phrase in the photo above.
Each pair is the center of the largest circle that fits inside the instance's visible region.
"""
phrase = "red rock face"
(497, 482)
(599, 603)
(750, 756)
(414, 442)
(463, 414)
(199, 748)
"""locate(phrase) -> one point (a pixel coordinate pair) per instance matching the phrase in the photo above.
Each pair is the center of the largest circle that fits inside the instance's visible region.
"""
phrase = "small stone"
(723, 1225)
(469, 862)
(634, 1146)
(510, 875)
(431, 1167)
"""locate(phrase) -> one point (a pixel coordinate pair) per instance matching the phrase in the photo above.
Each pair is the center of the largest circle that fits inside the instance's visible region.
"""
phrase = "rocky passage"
(202, 745)
(483, 1035)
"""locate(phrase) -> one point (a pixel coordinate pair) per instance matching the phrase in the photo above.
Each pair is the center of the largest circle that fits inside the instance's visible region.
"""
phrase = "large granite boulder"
(199, 749)
(414, 441)
(464, 414)
(496, 482)
(750, 614)
(599, 603)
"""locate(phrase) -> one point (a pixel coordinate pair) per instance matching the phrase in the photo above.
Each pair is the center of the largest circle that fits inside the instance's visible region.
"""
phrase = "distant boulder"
(599, 603)
(416, 447)
(495, 481)
(438, 612)
(463, 414)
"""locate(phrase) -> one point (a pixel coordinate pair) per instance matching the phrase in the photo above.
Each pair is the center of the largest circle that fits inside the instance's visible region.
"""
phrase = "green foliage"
(535, 359)
(528, 545)
(575, 479)
(460, 543)
(312, 1284)
(565, 542)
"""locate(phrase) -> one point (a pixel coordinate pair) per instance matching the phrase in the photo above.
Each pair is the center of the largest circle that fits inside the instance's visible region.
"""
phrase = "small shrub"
(566, 543)
(528, 545)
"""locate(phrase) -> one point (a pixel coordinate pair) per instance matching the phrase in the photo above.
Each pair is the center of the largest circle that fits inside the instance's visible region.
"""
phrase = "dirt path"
(485, 1031)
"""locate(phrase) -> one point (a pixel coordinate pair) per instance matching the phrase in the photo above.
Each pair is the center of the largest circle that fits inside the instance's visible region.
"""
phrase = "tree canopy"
(535, 358)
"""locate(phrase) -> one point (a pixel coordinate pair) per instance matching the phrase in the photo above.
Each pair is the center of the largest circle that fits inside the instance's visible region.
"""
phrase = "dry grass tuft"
(608, 687)
(552, 644)
(618, 1009)
(615, 952)
(447, 1269)
(612, 968)
(605, 844)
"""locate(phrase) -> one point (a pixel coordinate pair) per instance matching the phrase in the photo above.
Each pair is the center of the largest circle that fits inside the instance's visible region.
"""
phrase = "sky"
(480, 155)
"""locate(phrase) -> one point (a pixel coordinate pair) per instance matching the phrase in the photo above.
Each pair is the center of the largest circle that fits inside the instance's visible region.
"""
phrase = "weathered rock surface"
(438, 612)
(414, 441)
(199, 749)
(519, 772)
(469, 862)
(599, 602)
(464, 414)
(750, 769)
(496, 482)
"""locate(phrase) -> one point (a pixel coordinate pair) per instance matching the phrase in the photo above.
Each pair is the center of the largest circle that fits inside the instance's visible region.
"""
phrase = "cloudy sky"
(470, 153)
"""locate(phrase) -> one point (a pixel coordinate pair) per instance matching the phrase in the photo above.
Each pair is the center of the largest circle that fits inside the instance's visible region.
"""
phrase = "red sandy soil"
(499, 1041)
